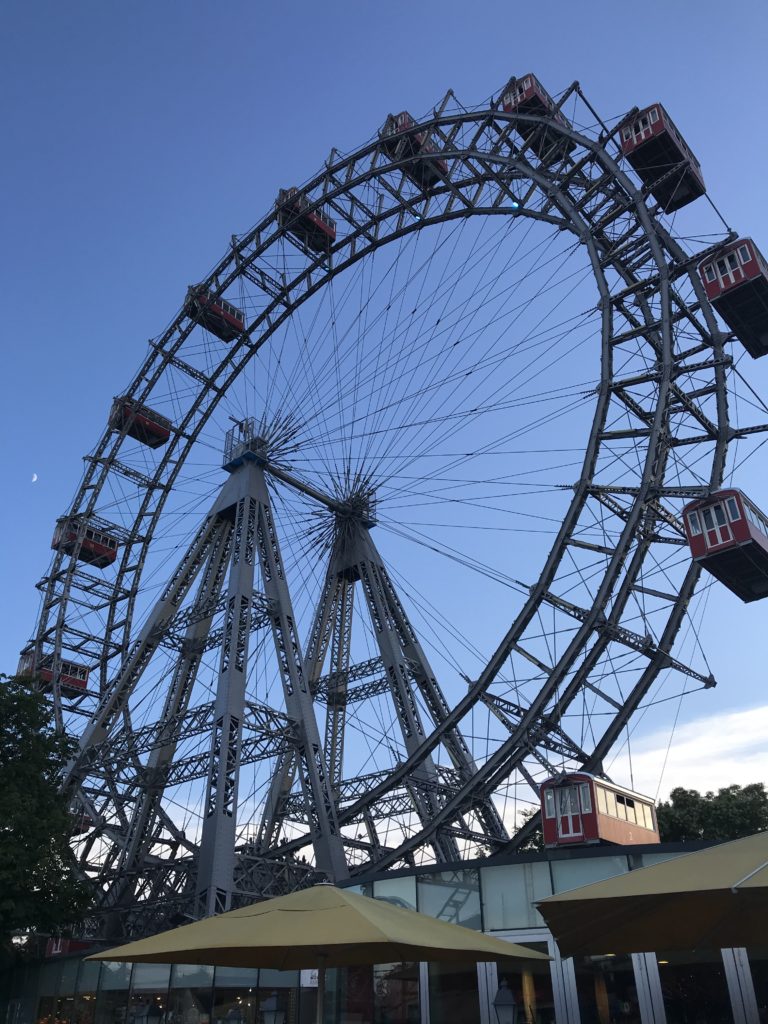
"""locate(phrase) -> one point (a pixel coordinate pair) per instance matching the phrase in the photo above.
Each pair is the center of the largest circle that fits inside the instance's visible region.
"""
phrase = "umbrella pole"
(320, 990)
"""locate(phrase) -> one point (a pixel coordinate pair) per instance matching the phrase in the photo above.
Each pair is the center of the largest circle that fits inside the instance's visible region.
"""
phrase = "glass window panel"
(88, 976)
(84, 1009)
(694, 988)
(656, 858)
(396, 994)
(709, 272)
(602, 803)
(607, 990)
(115, 976)
(148, 1003)
(630, 805)
(236, 977)
(307, 1002)
(758, 965)
(568, 800)
(349, 995)
(243, 995)
(278, 979)
(190, 1000)
(610, 801)
(150, 977)
(23, 986)
(235, 1006)
(719, 514)
(46, 1010)
(571, 873)
(531, 988)
(733, 509)
(708, 521)
(68, 976)
(400, 891)
(453, 993)
(549, 803)
(64, 1003)
(112, 1000)
(585, 797)
(693, 522)
(744, 254)
(509, 892)
(239, 1006)
(451, 896)
(191, 976)
(621, 807)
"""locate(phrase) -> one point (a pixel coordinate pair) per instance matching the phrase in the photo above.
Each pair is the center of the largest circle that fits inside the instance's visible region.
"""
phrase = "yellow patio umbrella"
(319, 927)
(711, 899)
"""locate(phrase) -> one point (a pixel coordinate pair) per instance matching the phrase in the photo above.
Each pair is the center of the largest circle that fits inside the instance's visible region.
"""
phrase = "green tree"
(39, 889)
(535, 840)
(731, 813)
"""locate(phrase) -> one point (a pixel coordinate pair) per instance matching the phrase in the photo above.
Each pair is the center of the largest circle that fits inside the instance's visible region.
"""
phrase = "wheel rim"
(649, 446)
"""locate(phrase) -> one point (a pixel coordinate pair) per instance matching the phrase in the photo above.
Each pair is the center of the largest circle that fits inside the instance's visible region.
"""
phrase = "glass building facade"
(664, 987)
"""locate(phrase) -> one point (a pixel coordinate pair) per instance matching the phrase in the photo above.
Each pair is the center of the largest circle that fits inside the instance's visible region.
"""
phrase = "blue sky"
(138, 137)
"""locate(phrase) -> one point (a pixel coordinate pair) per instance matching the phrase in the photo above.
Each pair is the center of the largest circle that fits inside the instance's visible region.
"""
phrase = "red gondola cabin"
(313, 228)
(139, 422)
(80, 823)
(660, 155)
(527, 95)
(72, 678)
(736, 283)
(214, 313)
(728, 536)
(57, 946)
(86, 543)
(425, 172)
(577, 808)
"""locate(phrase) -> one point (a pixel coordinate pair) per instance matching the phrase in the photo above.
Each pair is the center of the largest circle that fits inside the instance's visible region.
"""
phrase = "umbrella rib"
(751, 874)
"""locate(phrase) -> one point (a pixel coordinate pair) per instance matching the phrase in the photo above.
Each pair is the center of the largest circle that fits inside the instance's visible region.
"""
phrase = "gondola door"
(717, 529)
(642, 129)
(569, 825)
(729, 270)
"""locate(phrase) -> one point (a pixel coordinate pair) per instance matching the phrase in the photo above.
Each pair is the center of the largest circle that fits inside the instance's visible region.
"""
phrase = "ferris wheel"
(386, 530)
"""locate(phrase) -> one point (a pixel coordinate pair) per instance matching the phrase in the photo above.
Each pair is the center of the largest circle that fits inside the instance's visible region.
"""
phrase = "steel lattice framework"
(659, 412)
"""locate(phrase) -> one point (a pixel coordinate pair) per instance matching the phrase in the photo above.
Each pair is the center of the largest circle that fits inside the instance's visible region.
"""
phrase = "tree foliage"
(535, 840)
(38, 886)
(731, 813)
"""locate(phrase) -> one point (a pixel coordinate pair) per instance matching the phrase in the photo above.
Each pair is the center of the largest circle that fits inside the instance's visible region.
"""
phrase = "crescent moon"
(34, 477)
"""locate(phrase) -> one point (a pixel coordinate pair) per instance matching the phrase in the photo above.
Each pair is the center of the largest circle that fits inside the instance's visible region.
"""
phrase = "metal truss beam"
(354, 558)
(310, 759)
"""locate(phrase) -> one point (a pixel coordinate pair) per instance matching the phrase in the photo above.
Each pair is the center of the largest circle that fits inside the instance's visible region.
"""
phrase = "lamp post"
(504, 1004)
